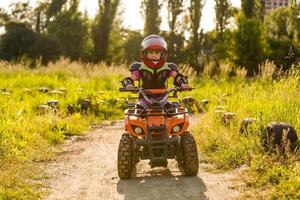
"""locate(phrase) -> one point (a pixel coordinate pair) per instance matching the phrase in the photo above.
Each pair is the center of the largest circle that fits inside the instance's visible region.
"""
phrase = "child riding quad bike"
(155, 128)
(157, 133)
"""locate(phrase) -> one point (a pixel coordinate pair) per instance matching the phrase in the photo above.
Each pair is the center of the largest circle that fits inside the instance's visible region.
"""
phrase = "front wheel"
(125, 157)
(190, 155)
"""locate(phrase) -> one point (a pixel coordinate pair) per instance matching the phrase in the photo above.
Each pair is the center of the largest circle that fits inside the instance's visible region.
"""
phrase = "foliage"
(45, 49)
(248, 48)
(224, 48)
(278, 49)
(17, 41)
(248, 7)
(102, 28)
(131, 46)
(195, 45)
(276, 23)
(281, 28)
(174, 37)
(294, 22)
(21, 12)
(224, 11)
(151, 9)
(72, 43)
(55, 7)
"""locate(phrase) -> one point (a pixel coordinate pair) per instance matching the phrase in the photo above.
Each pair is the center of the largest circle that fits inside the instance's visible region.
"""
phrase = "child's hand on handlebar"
(129, 86)
(185, 86)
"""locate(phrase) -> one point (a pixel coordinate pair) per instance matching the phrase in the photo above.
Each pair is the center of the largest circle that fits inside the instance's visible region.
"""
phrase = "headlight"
(176, 129)
(138, 130)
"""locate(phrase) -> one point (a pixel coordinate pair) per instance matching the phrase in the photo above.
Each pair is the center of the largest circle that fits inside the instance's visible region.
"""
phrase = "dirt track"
(87, 169)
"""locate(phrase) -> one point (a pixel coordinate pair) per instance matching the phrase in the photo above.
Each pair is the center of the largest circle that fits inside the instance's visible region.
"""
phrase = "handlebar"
(133, 89)
(142, 91)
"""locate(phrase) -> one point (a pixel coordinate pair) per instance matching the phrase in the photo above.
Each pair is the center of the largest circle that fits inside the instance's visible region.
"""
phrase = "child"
(153, 72)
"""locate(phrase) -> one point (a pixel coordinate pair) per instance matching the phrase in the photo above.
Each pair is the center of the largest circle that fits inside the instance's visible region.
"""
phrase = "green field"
(29, 136)
(267, 175)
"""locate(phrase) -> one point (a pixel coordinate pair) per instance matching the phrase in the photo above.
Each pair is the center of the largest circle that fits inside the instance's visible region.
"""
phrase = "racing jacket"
(150, 78)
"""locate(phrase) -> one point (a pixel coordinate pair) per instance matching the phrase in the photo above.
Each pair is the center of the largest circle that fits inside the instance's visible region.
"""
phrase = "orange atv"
(157, 133)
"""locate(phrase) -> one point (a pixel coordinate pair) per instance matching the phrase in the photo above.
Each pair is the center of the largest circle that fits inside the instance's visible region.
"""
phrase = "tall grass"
(267, 100)
(27, 137)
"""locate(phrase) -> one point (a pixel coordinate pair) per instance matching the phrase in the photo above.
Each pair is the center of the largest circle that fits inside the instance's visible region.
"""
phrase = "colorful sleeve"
(134, 68)
(173, 68)
(136, 73)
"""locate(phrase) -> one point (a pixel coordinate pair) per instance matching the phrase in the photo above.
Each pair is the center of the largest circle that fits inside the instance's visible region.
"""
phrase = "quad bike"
(157, 133)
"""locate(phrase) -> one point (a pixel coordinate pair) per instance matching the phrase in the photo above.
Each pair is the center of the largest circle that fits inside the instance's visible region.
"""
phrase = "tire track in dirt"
(87, 169)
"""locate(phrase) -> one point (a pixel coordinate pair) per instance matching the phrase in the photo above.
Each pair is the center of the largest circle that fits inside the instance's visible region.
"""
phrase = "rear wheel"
(125, 157)
(190, 155)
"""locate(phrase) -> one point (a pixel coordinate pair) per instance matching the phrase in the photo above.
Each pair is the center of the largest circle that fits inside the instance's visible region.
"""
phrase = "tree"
(224, 11)
(276, 23)
(22, 37)
(175, 38)
(20, 12)
(260, 8)
(283, 27)
(151, 9)
(222, 47)
(17, 41)
(4, 17)
(248, 44)
(116, 41)
(278, 50)
(132, 46)
(195, 12)
(24, 13)
(45, 48)
(40, 17)
(54, 8)
(102, 28)
(294, 23)
(71, 31)
(248, 7)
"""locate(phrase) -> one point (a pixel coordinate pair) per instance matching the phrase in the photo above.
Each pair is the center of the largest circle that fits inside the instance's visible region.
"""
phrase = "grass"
(267, 100)
(27, 137)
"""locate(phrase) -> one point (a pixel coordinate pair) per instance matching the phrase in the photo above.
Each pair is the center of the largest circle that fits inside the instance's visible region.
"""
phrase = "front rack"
(129, 100)
(161, 111)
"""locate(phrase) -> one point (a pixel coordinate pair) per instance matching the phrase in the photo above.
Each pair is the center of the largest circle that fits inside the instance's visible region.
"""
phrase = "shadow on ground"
(162, 185)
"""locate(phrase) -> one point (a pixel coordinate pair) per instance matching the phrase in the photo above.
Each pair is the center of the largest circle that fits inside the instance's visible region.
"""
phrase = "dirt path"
(87, 169)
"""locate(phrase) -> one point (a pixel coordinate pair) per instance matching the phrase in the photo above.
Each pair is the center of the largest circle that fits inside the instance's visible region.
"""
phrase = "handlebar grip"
(190, 89)
(135, 89)
(185, 89)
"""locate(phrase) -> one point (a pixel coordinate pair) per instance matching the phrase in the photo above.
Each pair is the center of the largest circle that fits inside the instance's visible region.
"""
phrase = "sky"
(132, 17)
